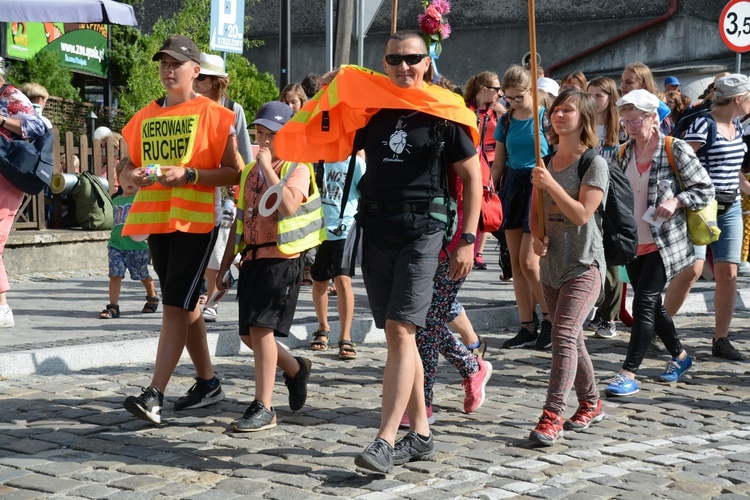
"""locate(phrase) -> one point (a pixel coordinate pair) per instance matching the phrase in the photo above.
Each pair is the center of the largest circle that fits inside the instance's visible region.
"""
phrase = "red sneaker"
(404, 424)
(549, 428)
(585, 415)
(474, 386)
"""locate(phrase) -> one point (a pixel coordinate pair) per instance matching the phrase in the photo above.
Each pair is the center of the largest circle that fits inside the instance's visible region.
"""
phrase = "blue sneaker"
(675, 369)
(621, 386)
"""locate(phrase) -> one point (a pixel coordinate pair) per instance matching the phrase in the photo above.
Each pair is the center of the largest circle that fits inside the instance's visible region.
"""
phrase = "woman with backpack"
(573, 184)
(716, 137)
(482, 97)
(18, 121)
(664, 247)
(609, 133)
(515, 158)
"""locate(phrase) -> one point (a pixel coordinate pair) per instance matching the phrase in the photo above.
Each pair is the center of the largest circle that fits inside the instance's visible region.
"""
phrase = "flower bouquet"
(434, 26)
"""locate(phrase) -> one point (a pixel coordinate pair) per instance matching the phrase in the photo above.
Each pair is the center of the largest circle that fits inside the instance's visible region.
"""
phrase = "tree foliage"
(44, 68)
(134, 50)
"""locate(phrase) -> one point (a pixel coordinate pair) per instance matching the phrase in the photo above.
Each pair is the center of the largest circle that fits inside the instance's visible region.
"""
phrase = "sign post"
(227, 25)
(734, 27)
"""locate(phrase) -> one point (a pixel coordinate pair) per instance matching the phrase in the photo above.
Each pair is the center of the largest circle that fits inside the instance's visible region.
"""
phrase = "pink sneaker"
(474, 386)
(405, 419)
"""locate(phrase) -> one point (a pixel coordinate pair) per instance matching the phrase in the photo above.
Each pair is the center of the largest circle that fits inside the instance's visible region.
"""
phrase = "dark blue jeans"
(648, 278)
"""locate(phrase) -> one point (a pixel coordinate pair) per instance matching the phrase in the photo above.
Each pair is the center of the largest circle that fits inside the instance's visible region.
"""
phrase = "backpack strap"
(585, 161)
(229, 104)
(349, 175)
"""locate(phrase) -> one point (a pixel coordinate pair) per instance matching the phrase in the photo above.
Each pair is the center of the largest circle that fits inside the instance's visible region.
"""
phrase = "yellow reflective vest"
(303, 230)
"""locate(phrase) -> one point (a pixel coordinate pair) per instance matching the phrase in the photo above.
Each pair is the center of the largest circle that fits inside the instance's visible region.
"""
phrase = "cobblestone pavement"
(68, 436)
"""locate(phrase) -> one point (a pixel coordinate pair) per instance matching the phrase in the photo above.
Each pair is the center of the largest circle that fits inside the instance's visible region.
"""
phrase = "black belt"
(402, 206)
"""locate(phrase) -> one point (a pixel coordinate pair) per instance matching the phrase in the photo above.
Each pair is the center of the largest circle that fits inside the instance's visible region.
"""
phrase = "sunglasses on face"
(397, 59)
(200, 78)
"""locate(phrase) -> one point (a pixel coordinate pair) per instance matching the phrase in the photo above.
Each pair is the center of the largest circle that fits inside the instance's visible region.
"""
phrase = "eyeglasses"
(631, 123)
(496, 89)
(397, 59)
(517, 99)
(201, 77)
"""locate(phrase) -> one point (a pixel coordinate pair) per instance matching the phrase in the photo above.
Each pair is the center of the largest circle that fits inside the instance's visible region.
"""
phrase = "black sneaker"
(545, 336)
(377, 457)
(256, 418)
(200, 395)
(524, 338)
(297, 385)
(146, 406)
(412, 447)
(722, 348)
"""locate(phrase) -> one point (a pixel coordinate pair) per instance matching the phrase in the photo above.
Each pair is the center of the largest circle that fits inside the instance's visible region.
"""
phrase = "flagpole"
(535, 106)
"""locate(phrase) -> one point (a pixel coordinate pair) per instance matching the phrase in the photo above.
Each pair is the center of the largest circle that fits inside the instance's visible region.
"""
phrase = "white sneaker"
(744, 269)
(6, 317)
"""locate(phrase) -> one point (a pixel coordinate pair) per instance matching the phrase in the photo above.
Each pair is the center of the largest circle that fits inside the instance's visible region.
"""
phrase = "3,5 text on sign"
(734, 25)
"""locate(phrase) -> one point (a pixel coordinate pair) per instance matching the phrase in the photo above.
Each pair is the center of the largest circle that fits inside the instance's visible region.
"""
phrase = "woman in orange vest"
(181, 148)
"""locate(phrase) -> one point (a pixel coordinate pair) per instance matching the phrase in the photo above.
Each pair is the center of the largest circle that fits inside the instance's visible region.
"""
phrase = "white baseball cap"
(548, 85)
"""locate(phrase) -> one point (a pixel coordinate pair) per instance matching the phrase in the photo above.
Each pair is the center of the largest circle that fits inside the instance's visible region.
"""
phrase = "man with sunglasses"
(406, 150)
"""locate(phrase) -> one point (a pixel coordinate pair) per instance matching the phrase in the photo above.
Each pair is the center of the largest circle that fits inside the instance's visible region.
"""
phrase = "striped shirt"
(723, 160)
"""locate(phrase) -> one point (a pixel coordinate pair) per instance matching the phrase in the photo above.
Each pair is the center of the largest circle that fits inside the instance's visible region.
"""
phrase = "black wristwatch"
(469, 237)
(190, 176)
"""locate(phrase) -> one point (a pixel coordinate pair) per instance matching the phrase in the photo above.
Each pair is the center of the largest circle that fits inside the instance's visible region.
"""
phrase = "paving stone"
(46, 484)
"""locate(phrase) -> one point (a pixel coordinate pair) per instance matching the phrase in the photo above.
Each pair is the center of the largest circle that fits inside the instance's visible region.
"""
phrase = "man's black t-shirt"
(399, 146)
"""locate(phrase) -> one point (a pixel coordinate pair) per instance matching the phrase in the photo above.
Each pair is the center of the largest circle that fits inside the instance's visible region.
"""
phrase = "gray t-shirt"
(573, 249)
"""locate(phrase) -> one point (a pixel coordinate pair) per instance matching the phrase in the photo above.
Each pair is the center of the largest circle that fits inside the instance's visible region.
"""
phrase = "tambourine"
(277, 190)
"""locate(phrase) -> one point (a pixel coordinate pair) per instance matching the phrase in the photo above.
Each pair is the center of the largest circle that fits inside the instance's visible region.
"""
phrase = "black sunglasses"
(200, 78)
(397, 59)
(496, 89)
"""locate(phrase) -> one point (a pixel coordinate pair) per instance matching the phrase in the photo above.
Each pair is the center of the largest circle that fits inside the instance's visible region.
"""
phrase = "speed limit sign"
(734, 25)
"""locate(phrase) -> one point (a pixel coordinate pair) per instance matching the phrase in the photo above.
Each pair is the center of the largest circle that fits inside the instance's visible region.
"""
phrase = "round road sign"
(734, 25)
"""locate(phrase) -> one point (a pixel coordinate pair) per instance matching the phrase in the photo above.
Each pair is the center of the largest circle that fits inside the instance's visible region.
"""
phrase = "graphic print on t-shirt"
(397, 141)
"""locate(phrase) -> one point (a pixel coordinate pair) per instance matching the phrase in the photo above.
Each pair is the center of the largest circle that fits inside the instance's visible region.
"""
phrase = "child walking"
(572, 259)
(271, 269)
(124, 253)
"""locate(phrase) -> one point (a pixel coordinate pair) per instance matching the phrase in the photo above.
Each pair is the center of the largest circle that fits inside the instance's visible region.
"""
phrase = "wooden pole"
(394, 16)
(537, 125)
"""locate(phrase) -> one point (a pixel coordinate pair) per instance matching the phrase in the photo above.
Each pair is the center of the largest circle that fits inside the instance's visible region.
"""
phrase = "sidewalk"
(58, 329)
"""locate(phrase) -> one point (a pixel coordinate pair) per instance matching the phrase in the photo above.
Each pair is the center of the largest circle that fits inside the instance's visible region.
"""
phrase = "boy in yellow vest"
(181, 148)
(271, 269)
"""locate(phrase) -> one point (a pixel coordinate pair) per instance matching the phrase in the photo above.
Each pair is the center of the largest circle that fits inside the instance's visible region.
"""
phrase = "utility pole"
(344, 32)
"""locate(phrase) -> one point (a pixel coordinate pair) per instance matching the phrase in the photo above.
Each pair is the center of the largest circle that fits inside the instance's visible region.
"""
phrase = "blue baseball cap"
(273, 115)
(671, 80)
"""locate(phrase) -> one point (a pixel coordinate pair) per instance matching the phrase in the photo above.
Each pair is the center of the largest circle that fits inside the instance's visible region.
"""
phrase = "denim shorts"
(728, 247)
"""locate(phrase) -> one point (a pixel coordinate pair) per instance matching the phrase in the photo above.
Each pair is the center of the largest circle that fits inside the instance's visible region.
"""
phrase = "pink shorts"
(10, 200)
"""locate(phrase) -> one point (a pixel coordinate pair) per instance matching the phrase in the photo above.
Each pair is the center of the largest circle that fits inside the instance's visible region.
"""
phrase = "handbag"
(491, 214)
(702, 226)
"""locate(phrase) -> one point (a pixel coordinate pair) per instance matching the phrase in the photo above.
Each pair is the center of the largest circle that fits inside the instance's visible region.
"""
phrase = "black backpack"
(687, 120)
(618, 222)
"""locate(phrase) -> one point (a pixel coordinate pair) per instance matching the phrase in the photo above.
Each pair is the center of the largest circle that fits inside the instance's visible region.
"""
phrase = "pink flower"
(434, 13)
(442, 6)
(445, 30)
(428, 25)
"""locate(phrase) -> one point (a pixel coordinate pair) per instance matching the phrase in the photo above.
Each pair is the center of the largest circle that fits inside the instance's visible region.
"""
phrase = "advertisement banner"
(81, 47)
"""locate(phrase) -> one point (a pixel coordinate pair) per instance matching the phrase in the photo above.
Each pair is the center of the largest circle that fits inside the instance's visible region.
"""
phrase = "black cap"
(181, 48)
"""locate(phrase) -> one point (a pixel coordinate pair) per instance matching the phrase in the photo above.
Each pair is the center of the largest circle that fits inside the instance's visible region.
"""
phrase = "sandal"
(320, 340)
(151, 305)
(347, 349)
(332, 290)
(112, 311)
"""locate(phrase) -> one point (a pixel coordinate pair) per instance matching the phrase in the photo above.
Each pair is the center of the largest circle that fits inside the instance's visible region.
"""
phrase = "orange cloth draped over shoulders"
(324, 128)
(192, 134)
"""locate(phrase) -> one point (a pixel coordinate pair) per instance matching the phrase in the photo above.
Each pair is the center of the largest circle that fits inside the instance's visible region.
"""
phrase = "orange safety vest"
(324, 128)
(192, 134)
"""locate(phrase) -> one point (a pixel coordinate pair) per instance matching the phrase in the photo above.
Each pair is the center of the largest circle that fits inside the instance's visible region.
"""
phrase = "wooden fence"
(37, 210)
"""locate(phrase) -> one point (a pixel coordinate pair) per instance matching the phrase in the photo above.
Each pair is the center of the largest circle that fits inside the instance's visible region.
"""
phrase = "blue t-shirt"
(519, 145)
(331, 193)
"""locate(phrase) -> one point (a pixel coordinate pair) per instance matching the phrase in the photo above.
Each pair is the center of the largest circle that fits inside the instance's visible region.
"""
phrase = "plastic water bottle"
(227, 213)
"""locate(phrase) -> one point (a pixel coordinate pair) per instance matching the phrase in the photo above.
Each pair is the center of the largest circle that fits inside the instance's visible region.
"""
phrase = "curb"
(226, 342)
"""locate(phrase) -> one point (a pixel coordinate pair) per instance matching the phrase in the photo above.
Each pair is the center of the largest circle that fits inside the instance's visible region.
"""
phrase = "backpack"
(27, 164)
(619, 227)
(93, 205)
(687, 120)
